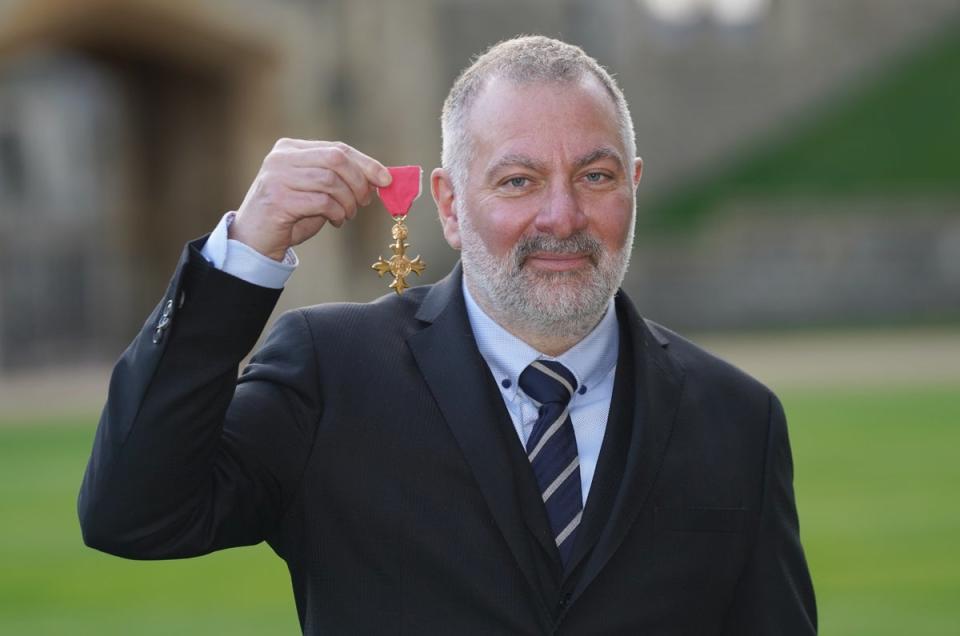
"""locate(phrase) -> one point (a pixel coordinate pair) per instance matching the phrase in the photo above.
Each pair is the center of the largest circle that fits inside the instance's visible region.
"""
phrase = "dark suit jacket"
(369, 446)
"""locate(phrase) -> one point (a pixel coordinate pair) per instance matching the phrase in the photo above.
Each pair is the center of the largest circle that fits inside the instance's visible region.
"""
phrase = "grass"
(876, 478)
(52, 584)
(876, 475)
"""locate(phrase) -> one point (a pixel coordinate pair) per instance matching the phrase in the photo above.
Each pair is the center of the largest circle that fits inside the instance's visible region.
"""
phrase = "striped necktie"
(552, 449)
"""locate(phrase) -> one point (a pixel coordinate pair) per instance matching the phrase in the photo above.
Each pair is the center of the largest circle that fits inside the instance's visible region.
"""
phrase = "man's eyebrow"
(509, 160)
(603, 152)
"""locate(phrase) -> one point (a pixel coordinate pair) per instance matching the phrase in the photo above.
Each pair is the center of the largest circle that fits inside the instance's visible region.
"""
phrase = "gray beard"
(548, 304)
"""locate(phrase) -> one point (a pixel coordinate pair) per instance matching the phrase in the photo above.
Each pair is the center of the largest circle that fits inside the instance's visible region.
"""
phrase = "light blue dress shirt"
(593, 360)
(240, 260)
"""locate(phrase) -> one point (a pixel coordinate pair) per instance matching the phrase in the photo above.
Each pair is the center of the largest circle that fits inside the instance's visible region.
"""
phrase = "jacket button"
(164, 322)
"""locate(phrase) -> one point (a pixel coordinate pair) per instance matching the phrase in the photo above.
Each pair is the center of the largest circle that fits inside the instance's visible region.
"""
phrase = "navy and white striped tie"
(552, 449)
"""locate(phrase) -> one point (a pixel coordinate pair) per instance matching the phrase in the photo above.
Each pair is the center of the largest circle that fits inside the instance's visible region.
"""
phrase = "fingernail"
(385, 177)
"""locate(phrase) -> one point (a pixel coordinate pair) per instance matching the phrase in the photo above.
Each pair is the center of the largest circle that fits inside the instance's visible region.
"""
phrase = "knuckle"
(325, 178)
(272, 158)
(338, 157)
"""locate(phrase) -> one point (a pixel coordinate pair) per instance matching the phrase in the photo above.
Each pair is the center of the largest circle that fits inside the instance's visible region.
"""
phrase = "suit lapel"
(655, 395)
(466, 393)
(613, 451)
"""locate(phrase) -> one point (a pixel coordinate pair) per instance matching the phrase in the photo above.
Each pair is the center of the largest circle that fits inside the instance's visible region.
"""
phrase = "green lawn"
(50, 583)
(877, 474)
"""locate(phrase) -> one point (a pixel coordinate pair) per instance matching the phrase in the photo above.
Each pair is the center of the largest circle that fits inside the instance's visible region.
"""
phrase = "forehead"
(542, 119)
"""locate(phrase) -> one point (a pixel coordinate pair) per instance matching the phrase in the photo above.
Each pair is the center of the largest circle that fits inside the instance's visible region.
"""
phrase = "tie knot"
(547, 381)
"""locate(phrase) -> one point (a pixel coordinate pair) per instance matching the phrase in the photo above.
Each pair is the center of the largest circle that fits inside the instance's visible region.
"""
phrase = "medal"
(397, 198)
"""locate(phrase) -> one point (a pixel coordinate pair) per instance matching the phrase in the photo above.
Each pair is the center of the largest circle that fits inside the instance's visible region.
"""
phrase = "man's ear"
(637, 171)
(441, 186)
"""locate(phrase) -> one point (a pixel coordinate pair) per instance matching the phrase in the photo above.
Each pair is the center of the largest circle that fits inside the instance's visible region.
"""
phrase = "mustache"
(579, 243)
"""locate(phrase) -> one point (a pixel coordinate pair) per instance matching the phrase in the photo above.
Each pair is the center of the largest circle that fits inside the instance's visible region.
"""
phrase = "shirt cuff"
(240, 260)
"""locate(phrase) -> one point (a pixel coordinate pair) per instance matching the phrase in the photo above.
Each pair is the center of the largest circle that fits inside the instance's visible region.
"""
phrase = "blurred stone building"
(130, 126)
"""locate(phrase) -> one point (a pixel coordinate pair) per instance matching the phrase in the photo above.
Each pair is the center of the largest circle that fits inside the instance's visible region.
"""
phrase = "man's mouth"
(559, 261)
(553, 255)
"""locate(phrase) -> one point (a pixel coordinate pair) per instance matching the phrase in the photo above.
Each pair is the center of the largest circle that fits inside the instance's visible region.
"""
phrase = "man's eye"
(596, 177)
(517, 182)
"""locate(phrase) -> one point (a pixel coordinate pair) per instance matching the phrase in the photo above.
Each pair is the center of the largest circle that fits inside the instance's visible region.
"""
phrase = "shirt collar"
(590, 360)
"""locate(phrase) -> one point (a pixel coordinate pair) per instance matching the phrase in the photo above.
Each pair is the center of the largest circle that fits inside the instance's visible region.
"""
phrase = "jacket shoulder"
(387, 318)
(704, 366)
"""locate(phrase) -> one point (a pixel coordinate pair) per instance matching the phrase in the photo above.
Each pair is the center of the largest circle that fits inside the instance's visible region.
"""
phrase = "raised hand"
(301, 186)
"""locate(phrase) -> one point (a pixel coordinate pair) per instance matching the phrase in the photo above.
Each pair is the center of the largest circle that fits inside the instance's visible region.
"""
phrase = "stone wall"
(803, 263)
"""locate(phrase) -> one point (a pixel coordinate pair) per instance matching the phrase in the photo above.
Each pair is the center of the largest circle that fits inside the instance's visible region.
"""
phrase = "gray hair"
(522, 60)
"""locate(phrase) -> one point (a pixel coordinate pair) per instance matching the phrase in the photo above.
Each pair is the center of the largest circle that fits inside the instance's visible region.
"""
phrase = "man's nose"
(561, 215)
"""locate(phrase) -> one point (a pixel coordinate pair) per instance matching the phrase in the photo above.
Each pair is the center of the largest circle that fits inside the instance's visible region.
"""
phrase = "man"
(510, 451)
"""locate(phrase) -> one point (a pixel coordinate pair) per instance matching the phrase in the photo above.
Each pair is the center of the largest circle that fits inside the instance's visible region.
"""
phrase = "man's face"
(545, 220)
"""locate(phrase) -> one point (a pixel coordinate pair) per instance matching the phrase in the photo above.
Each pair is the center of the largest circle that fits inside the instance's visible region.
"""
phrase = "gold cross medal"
(397, 198)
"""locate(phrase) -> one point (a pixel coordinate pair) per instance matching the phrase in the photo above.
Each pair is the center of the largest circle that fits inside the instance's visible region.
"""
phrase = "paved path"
(875, 358)
(869, 359)
(51, 393)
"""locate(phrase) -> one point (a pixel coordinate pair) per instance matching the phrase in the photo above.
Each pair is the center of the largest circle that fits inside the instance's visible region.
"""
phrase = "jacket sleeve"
(775, 593)
(188, 459)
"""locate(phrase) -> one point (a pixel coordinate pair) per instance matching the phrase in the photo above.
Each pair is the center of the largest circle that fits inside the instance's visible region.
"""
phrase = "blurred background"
(799, 214)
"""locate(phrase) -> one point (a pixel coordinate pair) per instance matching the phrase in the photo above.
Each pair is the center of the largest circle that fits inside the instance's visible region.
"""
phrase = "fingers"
(331, 167)
(336, 155)
(310, 204)
(326, 181)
